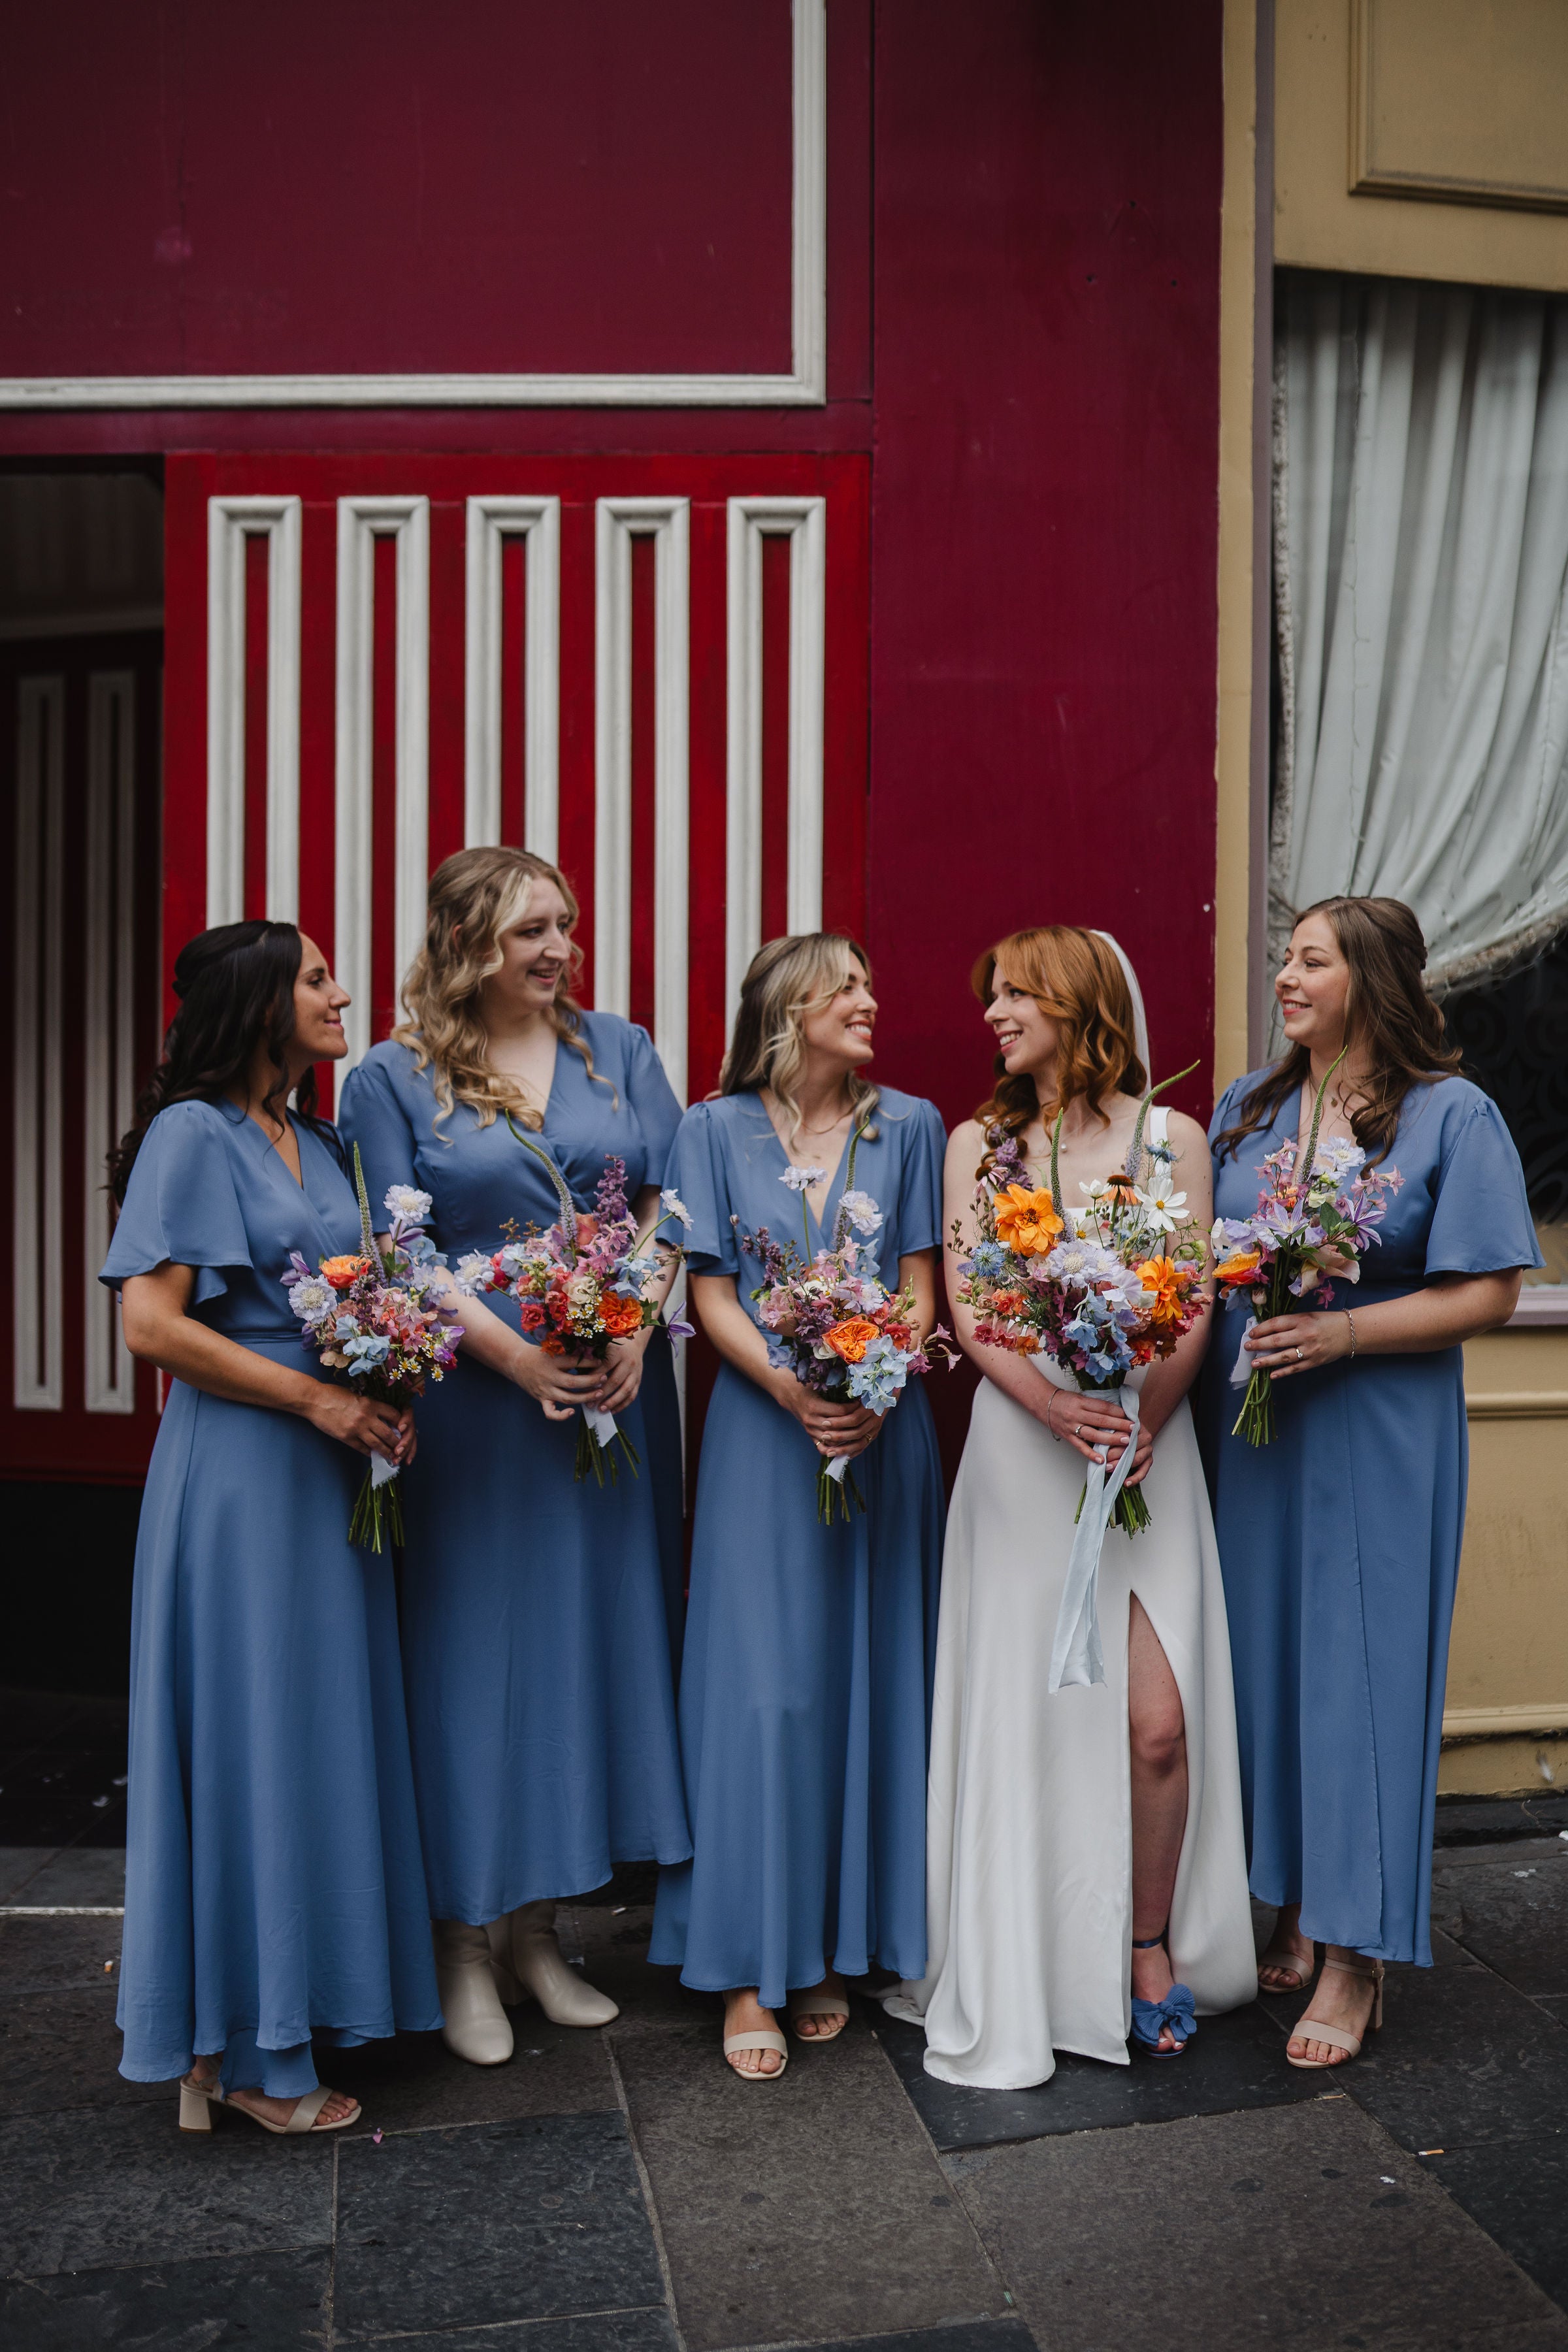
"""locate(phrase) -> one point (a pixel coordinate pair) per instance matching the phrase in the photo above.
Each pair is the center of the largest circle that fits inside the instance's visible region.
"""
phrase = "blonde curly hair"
(474, 897)
(785, 981)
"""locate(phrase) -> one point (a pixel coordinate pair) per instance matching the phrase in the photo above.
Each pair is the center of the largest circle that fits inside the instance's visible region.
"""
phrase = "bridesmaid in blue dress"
(273, 1888)
(540, 1615)
(805, 1685)
(1339, 1542)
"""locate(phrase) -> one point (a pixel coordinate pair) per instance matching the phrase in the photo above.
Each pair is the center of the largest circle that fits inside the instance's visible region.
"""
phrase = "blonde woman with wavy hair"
(802, 1701)
(541, 1618)
(1088, 1873)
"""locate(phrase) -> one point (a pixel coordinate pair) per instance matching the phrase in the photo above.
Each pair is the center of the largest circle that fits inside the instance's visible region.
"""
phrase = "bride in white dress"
(1066, 1829)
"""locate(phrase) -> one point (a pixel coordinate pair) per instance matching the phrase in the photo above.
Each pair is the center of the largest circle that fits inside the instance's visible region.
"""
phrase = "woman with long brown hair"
(1340, 1540)
(804, 1683)
(538, 1613)
(1084, 1858)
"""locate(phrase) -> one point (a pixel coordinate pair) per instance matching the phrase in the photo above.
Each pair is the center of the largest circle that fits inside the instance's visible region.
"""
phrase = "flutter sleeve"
(696, 1175)
(919, 1189)
(652, 1099)
(181, 1206)
(371, 1116)
(1481, 1222)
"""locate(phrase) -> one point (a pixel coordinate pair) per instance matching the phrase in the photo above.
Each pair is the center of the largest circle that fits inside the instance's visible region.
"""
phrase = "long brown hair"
(236, 991)
(785, 981)
(473, 897)
(1389, 1013)
(1075, 977)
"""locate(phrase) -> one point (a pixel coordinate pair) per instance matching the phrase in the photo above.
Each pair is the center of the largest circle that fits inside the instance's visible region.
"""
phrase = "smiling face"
(1024, 1032)
(1314, 988)
(536, 956)
(318, 1004)
(842, 1028)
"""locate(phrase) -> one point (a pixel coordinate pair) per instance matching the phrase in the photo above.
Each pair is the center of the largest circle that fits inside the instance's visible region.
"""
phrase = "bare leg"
(1288, 1961)
(1157, 1739)
(744, 2013)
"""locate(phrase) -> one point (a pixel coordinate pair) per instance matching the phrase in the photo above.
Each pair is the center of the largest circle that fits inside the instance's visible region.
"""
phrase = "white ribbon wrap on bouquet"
(381, 1471)
(1242, 1370)
(603, 1424)
(836, 1467)
(1076, 1655)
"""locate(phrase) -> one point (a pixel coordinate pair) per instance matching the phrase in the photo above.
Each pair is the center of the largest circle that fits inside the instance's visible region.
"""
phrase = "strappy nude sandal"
(763, 2038)
(197, 2100)
(818, 2004)
(1312, 2029)
(1287, 1963)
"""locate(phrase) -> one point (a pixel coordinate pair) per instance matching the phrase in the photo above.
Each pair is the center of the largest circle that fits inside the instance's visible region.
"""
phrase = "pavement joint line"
(542, 2319)
(878, 2336)
(987, 2256)
(329, 2332)
(62, 1910)
(650, 2200)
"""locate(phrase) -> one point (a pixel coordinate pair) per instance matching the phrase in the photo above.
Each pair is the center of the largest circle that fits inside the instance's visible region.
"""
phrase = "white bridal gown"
(1028, 1837)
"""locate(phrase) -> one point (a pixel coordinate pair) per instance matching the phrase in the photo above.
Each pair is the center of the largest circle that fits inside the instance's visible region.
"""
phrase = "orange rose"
(1027, 1223)
(850, 1338)
(1239, 1267)
(342, 1273)
(620, 1316)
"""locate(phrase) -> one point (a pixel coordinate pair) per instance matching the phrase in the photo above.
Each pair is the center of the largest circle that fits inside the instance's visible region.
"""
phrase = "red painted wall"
(1044, 548)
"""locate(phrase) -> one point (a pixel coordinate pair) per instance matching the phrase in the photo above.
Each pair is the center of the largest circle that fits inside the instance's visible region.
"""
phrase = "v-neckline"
(272, 1151)
(550, 1090)
(818, 1217)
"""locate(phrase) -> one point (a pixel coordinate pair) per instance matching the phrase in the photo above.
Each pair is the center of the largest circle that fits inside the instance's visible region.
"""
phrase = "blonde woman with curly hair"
(1088, 1877)
(540, 1616)
(804, 1682)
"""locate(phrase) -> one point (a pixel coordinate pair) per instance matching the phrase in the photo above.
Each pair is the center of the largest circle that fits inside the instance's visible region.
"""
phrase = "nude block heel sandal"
(197, 2101)
(1312, 2029)
(818, 2004)
(763, 2038)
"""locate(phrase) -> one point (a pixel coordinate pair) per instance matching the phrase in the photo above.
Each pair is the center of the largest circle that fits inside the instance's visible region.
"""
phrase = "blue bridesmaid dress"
(805, 1687)
(1339, 1542)
(273, 1887)
(540, 1616)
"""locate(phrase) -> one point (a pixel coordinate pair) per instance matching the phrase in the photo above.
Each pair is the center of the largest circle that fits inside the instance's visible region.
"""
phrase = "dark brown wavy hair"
(236, 987)
(1388, 1014)
(1075, 977)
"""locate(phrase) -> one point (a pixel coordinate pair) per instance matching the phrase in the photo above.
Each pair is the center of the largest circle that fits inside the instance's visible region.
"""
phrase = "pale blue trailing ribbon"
(1076, 1654)
(1241, 1371)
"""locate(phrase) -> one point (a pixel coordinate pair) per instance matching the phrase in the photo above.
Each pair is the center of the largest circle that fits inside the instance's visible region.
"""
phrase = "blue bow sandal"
(1177, 2011)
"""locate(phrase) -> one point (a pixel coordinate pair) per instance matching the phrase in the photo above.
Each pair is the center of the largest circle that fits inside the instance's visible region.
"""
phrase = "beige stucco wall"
(1467, 91)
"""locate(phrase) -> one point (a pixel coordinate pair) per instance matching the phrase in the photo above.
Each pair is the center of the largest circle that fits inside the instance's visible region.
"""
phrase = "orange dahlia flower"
(1027, 1223)
(342, 1273)
(1239, 1267)
(620, 1316)
(850, 1338)
(1164, 1278)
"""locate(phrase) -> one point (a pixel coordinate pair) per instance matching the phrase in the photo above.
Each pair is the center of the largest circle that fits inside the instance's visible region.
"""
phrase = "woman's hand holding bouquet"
(377, 1318)
(834, 1324)
(1316, 1217)
(580, 1287)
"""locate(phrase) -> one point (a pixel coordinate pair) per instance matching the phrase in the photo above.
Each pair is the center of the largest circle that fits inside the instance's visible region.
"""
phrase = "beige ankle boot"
(527, 1959)
(474, 2024)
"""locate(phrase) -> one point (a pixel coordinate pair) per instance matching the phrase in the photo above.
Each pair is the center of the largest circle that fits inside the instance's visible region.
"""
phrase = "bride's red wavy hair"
(1075, 977)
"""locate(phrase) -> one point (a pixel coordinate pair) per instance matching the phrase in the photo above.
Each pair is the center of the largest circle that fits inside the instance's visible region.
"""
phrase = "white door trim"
(231, 522)
(537, 522)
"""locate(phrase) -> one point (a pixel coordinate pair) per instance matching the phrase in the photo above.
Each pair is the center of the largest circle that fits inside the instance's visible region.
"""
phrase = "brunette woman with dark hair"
(1339, 1542)
(273, 1886)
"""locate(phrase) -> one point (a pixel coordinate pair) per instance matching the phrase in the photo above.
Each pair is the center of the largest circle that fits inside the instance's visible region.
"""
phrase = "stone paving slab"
(528, 2219)
(1300, 2229)
(75, 1873)
(1233, 2061)
(268, 2302)
(60, 2049)
(801, 2210)
(1518, 2191)
(599, 2331)
(1514, 1916)
(415, 2084)
(45, 1955)
(100, 2187)
(1462, 2058)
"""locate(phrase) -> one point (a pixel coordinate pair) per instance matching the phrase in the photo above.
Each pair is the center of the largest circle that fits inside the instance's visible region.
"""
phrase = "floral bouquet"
(376, 1317)
(1313, 1203)
(581, 1285)
(1101, 1290)
(835, 1323)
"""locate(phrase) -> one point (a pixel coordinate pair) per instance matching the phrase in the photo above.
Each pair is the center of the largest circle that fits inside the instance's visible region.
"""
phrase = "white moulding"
(231, 522)
(537, 522)
(108, 1057)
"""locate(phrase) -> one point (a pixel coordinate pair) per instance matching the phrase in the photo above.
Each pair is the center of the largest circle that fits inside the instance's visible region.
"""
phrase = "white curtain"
(1421, 555)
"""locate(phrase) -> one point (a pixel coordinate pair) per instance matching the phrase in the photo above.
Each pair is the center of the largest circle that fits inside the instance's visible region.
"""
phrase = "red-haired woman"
(1340, 1540)
(1084, 1845)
